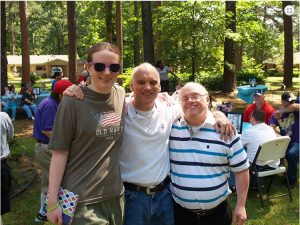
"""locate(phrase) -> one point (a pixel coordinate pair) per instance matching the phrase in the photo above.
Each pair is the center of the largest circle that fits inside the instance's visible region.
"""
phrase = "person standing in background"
(7, 132)
(57, 76)
(42, 130)
(163, 75)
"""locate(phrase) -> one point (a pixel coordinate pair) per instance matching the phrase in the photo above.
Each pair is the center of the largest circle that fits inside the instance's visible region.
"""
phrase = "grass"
(277, 211)
(274, 83)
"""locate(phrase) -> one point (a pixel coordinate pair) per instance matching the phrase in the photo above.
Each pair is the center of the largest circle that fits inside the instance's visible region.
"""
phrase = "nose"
(106, 71)
(147, 85)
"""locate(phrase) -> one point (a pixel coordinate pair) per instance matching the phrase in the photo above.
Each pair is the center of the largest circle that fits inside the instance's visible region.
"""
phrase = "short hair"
(146, 67)
(100, 47)
(196, 86)
(258, 115)
(11, 87)
(57, 73)
(158, 62)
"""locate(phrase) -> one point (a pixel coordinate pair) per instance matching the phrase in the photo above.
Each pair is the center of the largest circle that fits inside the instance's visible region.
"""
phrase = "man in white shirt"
(259, 132)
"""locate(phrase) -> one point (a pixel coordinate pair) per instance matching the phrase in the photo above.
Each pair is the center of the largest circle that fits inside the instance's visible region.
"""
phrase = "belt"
(207, 212)
(42, 142)
(148, 190)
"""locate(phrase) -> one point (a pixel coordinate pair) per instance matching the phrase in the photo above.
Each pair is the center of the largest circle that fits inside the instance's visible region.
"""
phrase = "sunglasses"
(100, 67)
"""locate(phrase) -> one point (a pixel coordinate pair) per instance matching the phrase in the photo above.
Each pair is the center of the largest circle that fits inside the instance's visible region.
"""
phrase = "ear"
(131, 87)
(88, 67)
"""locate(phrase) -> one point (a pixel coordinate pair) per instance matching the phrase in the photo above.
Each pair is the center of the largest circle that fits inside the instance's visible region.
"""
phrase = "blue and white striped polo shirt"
(200, 164)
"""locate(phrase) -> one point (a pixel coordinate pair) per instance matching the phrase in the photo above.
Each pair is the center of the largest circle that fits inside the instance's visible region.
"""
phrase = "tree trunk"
(288, 47)
(193, 56)
(4, 82)
(25, 42)
(108, 20)
(119, 31)
(239, 57)
(11, 20)
(157, 31)
(136, 36)
(147, 32)
(229, 49)
(72, 41)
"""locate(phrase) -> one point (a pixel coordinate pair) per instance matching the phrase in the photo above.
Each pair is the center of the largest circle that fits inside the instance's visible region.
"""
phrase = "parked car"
(55, 69)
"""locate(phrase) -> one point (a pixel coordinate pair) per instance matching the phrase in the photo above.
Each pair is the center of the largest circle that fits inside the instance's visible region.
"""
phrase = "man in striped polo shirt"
(200, 165)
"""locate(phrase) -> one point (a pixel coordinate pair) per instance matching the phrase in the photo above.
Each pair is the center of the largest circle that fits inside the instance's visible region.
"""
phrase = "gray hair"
(196, 86)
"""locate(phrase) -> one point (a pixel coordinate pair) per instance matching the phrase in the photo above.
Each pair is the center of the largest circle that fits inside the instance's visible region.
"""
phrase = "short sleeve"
(238, 160)
(64, 125)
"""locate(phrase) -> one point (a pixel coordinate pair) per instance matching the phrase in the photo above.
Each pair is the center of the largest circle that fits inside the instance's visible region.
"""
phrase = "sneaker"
(32, 118)
(13, 119)
(41, 218)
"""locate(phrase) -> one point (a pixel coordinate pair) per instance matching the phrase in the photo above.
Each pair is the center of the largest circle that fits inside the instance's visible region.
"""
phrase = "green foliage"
(126, 79)
(211, 80)
(244, 75)
(34, 77)
(184, 78)
(272, 73)
(183, 31)
(17, 148)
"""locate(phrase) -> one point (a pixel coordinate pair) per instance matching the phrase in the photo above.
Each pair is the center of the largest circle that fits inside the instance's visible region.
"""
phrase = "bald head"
(144, 68)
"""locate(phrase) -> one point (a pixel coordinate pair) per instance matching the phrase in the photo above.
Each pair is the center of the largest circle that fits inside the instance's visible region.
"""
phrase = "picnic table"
(246, 92)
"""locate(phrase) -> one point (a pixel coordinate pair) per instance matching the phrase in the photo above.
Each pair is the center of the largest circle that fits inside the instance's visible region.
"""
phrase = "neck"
(101, 91)
(142, 106)
(258, 106)
(196, 121)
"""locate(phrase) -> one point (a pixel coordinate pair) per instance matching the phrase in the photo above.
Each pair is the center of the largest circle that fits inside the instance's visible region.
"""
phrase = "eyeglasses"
(192, 98)
(100, 67)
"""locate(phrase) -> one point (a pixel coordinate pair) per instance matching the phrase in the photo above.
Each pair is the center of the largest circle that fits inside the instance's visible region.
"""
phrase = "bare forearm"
(57, 169)
(291, 108)
(242, 185)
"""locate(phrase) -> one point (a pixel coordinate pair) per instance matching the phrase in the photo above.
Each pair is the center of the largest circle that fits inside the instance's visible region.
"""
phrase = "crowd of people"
(147, 159)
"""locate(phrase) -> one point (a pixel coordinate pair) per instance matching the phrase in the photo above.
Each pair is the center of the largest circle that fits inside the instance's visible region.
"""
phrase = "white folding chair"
(271, 150)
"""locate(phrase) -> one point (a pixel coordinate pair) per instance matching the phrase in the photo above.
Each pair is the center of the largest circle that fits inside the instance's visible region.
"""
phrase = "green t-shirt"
(91, 130)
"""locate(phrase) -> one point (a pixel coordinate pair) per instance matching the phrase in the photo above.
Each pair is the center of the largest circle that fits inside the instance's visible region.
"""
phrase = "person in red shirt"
(259, 103)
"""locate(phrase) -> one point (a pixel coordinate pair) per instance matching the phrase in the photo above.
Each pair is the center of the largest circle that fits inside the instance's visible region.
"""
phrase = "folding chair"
(271, 150)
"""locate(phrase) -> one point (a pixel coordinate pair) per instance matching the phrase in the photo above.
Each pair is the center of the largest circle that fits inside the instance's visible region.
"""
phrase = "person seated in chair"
(287, 119)
(259, 103)
(259, 133)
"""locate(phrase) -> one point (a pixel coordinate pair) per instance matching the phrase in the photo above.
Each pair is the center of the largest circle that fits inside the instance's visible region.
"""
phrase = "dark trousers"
(164, 84)
(5, 187)
(222, 215)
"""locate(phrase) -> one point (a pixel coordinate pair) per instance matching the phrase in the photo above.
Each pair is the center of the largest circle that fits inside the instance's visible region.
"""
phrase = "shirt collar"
(130, 110)
(210, 120)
